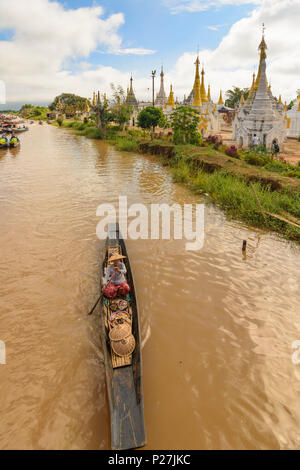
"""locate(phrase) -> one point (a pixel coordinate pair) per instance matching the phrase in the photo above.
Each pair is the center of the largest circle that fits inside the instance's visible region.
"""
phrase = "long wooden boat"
(123, 374)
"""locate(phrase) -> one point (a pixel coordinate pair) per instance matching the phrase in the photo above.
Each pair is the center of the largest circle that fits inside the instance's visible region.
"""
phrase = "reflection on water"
(217, 326)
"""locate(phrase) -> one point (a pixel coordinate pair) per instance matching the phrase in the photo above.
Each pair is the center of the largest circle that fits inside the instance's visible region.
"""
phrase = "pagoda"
(170, 105)
(293, 118)
(202, 102)
(131, 99)
(261, 114)
(161, 98)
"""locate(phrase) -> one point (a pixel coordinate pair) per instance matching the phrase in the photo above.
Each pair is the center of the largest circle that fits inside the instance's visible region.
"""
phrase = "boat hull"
(124, 384)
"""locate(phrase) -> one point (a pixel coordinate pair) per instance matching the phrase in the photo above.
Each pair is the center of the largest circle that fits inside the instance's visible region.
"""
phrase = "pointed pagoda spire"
(208, 93)
(94, 99)
(204, 97)
(242, 100)
(161, 96)
(171, 101)
(131, 99)
(197, 102)
(269, 87)
(221, 98)
(252, 89)
(263, 55)
(280, 100)
(105, 100)
(98, 98)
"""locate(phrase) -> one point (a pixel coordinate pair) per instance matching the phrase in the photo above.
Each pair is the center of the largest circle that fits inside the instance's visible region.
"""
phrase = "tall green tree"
(151, 117)
(121, 113)
(68, 103)
(103, 115)
(234, 96)
(184, 122)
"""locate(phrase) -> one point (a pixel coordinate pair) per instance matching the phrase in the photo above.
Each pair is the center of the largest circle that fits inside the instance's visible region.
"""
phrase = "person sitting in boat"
(114, 280)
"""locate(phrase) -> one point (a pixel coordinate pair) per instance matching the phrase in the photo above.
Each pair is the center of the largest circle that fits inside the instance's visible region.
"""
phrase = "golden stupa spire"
(197, 102)
(280, 100)
(242, 100)
(87, 106)
(269, 87)
(262, 47)
(204, 97)
(253, 85)
(285, 107)
(94, 99)
(171, 101)
(208, 93)
(221, 98)
(298, 106)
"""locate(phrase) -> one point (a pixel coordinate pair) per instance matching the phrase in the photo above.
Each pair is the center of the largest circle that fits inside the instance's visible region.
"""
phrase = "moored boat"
(14, 142)
(4, 142)
(123, 368)
(21, 129)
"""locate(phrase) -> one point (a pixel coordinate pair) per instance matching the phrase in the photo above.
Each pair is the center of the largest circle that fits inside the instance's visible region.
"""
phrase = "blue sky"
(149, 24)
(80, 46)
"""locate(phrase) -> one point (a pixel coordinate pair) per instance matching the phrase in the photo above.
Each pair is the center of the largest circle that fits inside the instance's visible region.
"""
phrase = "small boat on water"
(14, 129)
(4, 142)
(20, 129)
(14, 142)
(11, 143)
(123, 372)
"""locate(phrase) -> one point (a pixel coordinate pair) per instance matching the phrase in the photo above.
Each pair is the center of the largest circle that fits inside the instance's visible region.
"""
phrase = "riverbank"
(225, 179)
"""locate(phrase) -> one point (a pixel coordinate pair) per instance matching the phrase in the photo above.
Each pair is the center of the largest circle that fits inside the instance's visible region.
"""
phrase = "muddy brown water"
(217, 327)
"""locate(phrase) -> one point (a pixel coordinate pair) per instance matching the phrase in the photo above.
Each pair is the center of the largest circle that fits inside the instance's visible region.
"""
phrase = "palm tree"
(234, 96)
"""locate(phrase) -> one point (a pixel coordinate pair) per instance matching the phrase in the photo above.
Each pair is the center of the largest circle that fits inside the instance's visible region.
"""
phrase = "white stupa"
(293, 116)
(260, 114)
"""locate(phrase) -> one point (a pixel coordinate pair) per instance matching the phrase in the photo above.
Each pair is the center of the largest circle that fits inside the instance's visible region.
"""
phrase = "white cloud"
(214, 28)
(178, 6)
(47, 39)
(234, 60)
(34, 64)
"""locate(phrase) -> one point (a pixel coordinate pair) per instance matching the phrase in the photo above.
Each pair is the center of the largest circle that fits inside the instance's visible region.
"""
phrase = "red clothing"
(113, 290)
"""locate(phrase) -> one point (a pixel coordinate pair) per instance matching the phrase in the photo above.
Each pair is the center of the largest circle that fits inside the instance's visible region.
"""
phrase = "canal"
(217, 326)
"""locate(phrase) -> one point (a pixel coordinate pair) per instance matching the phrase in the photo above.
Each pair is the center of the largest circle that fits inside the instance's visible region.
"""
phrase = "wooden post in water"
(244, 246)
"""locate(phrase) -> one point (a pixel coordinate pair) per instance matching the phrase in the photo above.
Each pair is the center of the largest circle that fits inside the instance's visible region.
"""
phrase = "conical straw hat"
(125, 347)
(115, 257)
(119, 332)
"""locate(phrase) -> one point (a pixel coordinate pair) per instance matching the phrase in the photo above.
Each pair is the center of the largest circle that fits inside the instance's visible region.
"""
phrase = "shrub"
(232, 151)
(94, 133)
(216, 140)
(299, 138)
(257, 159)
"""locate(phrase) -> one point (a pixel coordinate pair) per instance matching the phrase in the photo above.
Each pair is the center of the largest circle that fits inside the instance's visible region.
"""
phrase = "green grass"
(127, 145)
(237, 199)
